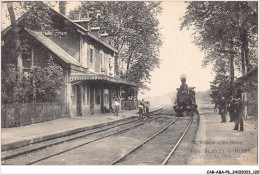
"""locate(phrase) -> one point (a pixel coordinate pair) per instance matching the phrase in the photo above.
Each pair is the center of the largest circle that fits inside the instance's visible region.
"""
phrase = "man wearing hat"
(223, 109)
(239, 106)
(231, 109)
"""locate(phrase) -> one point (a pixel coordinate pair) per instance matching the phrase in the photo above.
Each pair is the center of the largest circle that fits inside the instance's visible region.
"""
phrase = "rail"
(121, 158)
(177, 144)
(142, 122)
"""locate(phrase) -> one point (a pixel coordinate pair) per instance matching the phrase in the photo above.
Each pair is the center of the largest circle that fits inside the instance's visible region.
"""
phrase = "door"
(78, 105)
(91, 100)
(102, 101)
(110, 98)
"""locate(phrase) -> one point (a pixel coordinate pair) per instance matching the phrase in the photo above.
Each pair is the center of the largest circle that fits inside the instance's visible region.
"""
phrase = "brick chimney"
(77, 15)
(95, 31)
(81, 19)
(104, 36)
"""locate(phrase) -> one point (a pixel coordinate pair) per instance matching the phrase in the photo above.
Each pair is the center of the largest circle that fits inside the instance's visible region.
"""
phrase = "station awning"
(101, 77)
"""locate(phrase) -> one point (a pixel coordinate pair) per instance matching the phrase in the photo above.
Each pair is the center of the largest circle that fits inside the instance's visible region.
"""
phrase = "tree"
(133, 27)
(224, 25)
(229, 27)
(220, 86)
(15, 30)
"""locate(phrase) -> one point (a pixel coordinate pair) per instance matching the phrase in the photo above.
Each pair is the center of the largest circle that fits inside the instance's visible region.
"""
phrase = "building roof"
(88, 33)
(95, 76)
(247, 75)
(53, 47)
(79, 27)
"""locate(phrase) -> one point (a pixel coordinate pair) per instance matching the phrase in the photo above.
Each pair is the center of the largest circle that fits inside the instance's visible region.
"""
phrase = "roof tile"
(53, 47)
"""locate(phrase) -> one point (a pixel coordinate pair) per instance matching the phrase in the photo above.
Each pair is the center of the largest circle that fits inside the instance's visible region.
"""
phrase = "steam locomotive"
(185, 103)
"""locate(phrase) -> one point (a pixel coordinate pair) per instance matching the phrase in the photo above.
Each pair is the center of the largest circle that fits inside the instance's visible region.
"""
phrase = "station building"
(88, 61)
(248, 84)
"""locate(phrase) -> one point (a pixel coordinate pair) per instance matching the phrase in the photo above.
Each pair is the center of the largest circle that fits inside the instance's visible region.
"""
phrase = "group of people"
(235, 107)
(143, 109)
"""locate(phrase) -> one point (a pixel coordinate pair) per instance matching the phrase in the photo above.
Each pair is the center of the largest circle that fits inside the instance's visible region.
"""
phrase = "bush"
(15, 86)
(41, 85)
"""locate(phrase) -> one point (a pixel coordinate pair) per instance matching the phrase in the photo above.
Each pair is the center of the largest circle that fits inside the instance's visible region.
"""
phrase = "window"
(102, 61)
(27, 59)
(106, 93)
(73, 98)
(91, 55)
(110, 62)
(110, 66)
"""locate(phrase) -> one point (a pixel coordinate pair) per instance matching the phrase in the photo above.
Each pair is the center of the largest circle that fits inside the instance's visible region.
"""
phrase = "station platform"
(20, 136)
(218, 144)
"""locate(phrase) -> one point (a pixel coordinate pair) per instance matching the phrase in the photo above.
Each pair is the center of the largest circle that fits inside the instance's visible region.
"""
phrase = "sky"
(178, 54)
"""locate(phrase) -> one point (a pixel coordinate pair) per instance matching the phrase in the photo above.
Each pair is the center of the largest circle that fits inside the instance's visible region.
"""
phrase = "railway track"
(86, 137)
(164, 162)
(177, 144)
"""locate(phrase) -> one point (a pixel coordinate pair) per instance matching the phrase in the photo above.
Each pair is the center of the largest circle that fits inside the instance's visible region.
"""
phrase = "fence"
(129, 105)
(30, 113)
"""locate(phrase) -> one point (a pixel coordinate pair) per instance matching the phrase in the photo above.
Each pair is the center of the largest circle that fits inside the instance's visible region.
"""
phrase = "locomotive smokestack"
(183, 77)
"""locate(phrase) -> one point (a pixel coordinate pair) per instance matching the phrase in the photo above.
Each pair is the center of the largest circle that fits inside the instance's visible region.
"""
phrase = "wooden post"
(61, 112)
(43, 113)
(20, 119)
(14, 24)
(52, 112)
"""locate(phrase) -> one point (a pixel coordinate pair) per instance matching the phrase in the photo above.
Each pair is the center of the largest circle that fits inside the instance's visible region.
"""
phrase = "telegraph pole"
(231, 61)
(231, 64)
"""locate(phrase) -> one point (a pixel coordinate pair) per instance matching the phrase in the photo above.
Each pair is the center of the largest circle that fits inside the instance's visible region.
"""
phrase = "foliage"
(133, 27)
(41, 85)
(221, 83)
(36, 14)
(14, 85)
(222, 25)
(130, 92)
(221, 87)
(228, 25)
(46, 82)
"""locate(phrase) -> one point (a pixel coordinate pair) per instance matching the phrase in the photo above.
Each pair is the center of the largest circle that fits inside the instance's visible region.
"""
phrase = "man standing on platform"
(140, 108)
(239, 106)
(223, 109)
(231, 109)
(147, 110)
(116, 106)
(143, 104)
